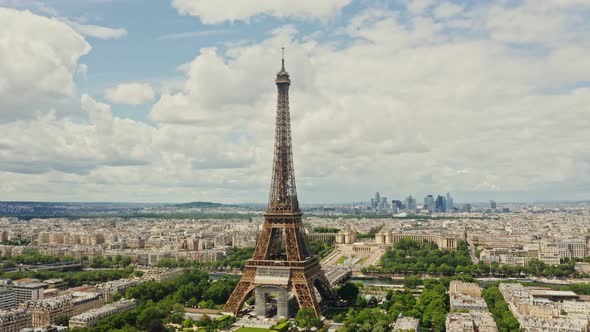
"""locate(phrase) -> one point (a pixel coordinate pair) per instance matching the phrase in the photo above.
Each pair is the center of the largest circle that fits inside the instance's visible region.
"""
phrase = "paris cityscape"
(334, 165)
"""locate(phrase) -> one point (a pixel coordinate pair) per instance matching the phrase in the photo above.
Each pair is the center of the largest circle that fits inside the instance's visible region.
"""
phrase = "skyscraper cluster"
(438, 204)
(432, 204)
(411, 203)
(379, 203)
(429, 203)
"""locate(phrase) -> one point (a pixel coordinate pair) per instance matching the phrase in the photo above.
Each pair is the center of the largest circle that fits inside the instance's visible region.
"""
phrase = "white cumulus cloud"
(97, 31)
(447, 9)
(212, 12)
(47, 143)
(130, 93)
(538, 22)
(38, 60)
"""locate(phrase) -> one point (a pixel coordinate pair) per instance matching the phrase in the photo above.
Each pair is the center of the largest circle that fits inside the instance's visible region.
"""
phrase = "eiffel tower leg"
(323, 286)
(240, 293)
(306, 297)
(263, 243)
(303, 289)
(293, 250)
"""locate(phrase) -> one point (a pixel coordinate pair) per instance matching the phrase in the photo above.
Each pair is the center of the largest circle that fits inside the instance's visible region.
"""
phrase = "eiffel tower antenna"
(283, 58)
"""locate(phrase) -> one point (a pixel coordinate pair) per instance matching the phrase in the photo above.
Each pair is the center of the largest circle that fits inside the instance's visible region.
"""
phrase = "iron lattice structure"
(282, 251)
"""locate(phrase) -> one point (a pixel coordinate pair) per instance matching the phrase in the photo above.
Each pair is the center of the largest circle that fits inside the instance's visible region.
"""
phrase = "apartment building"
(25, 290)
(539, 309)
(46, 312)
(7, 298)
(89, 318)
(14, 320)
(572, 249)
(470, 311)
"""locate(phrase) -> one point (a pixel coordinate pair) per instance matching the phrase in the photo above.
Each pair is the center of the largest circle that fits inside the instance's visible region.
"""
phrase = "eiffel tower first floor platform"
(301, 278)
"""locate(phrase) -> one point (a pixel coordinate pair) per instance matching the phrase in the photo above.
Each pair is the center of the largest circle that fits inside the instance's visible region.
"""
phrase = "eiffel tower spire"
(283, 192)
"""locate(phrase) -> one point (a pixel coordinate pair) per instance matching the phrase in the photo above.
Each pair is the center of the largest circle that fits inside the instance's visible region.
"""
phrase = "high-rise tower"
(450, 203)
(282, 260)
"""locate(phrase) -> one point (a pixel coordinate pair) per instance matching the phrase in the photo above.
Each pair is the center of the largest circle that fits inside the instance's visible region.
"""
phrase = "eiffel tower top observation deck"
(283, 192)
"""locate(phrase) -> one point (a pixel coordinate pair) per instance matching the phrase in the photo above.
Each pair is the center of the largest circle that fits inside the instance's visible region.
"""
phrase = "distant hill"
(31, 210)
(199, 205)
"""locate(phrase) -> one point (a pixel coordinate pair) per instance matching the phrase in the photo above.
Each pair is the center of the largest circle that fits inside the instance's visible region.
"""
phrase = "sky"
(174, 101)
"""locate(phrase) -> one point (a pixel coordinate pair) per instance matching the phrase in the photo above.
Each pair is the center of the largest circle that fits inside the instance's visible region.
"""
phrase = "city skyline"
(418, 96)
(150, 153)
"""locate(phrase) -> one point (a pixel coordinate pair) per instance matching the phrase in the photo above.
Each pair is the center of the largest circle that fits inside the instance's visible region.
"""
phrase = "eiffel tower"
(282, 259)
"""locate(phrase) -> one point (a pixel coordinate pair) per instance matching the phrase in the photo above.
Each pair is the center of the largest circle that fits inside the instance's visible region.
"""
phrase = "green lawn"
(251, 329)
(341, 260)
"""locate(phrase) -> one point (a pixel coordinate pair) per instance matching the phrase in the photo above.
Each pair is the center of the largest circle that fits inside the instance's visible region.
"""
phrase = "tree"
(220, 290)
(187, 323)
(322, 249)
(176, 318)
(431, 269)
(500, 310)
(446, 269)
(413, 282)
(361, 302)
(186, 292)
(209, 304)
(348, 292)
(177, 307)
(192, 303)
(435, 314)
(306, 319)
(406, 244)
(98, 262)
(156, 326)
(148, 315)
(204, 321)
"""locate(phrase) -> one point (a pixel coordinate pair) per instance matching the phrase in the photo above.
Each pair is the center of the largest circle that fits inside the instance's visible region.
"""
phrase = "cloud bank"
(210, 12)
(429, 97)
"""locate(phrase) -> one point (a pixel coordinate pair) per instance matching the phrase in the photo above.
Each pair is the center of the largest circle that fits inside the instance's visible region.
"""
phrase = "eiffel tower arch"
(282, 257)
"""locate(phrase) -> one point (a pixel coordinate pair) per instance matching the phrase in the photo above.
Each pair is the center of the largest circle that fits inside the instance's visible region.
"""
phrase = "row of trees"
(505, 320)
(74, 278)
(321, 249)
(581, 289)
(534, 267)
(326, 230)
(32, 257)
(408, 256)
(237, 257)
(16, 242)
(579, 259)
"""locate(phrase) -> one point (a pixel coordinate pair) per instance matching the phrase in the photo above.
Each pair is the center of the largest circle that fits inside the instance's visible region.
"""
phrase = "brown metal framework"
(282, 242)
